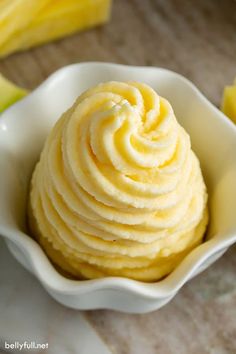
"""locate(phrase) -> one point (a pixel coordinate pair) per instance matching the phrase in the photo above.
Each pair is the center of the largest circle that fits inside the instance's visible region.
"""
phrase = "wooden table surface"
(198, 40)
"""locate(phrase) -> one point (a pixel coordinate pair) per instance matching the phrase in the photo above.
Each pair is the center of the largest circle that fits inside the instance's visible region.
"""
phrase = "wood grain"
(201, 319)
(194, 38)
(198, 40)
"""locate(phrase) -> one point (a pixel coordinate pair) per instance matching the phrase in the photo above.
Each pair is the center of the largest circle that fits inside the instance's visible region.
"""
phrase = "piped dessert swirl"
(118, 190)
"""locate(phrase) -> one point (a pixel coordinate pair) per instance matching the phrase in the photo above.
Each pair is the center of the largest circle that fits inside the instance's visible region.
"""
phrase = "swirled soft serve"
(117, 190)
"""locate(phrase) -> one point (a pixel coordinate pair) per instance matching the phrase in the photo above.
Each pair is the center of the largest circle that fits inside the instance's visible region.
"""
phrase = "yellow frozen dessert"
(118, 190)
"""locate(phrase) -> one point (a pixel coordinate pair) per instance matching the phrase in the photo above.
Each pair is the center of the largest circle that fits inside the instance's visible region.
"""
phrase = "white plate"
(23, 129)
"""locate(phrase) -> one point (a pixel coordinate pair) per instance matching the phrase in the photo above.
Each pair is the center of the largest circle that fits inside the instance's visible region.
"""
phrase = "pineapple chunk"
(9, 93)
(229, 102)
(55, 20)
(16, 15)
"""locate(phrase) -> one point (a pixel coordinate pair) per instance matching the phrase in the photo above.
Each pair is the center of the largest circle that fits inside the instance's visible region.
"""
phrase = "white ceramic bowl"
(23, 129)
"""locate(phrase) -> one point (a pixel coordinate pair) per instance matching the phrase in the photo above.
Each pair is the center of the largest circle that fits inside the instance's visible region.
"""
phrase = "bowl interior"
(24, 127)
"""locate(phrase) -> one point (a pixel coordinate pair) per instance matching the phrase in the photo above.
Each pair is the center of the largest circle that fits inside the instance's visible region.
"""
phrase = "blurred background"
(194, 38)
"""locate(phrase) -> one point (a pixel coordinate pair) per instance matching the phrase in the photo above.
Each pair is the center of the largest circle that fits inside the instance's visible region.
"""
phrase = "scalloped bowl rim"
(56, 282)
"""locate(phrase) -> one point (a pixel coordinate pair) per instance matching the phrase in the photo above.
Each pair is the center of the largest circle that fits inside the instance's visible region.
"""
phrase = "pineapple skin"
(57, 19)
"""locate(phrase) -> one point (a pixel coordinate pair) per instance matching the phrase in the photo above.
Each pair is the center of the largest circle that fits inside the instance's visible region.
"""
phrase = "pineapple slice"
(56, 19)
(16, 15)
(9, 93)
(229, 102)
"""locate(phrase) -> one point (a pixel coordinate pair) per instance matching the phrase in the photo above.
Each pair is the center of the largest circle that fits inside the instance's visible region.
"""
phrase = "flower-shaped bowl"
(23, 129)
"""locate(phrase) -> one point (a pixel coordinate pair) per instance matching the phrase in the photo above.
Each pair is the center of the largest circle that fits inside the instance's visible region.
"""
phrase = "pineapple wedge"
(9, 93)
(16, 15)
(55, 19)
(229, 102)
